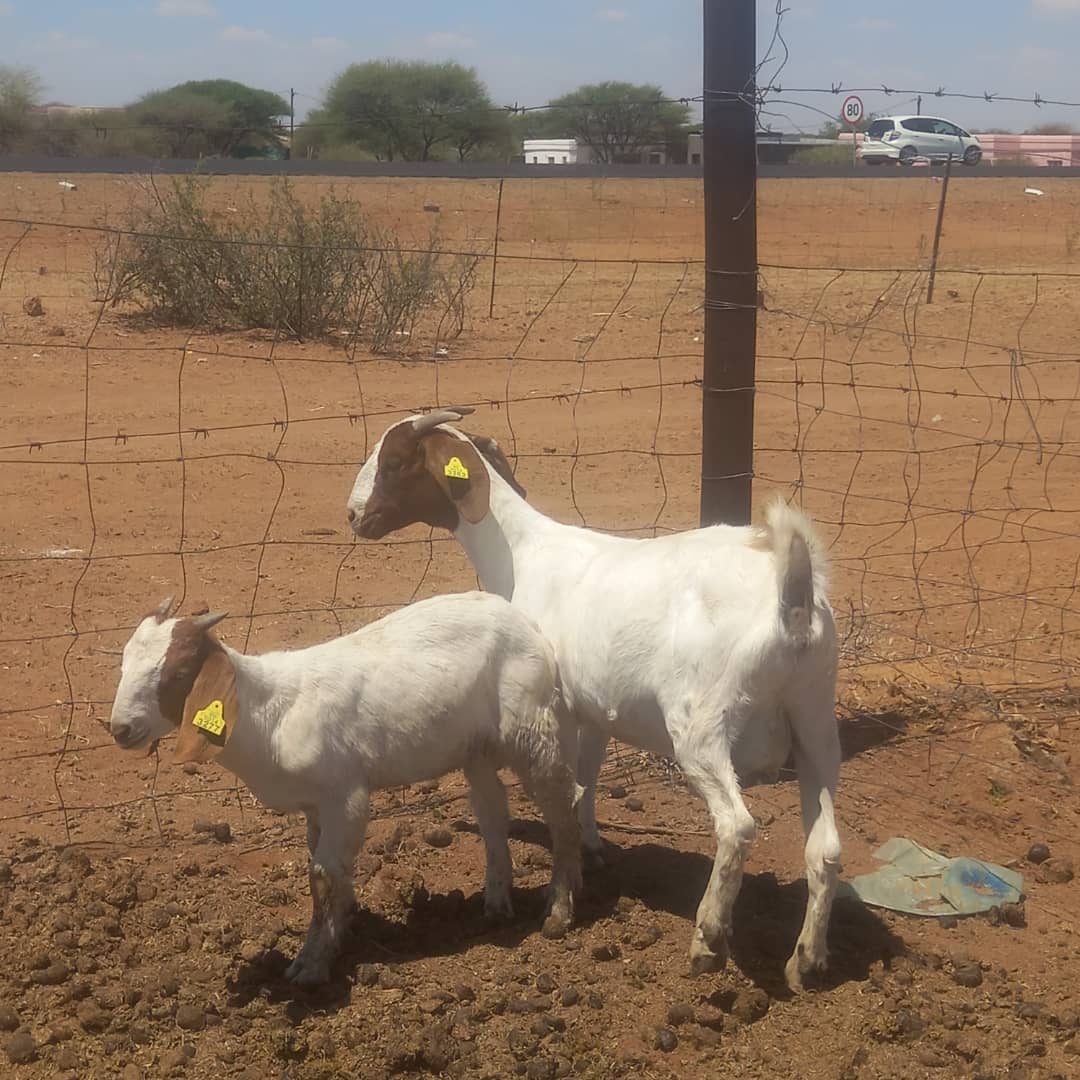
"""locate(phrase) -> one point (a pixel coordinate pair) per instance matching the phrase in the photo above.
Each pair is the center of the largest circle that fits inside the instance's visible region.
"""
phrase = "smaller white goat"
(455, 682)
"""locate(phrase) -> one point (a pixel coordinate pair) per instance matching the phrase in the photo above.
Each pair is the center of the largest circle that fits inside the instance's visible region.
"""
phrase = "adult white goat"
(716, 647)
(455, 682)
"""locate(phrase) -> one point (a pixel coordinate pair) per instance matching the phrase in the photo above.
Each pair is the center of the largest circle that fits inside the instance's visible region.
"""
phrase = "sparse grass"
(303, 272)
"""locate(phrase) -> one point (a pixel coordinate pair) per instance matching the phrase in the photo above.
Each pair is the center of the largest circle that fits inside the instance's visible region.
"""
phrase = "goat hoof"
(307, 973)
(706, 958)
(556, 925)
(498, 910)
(800, 964)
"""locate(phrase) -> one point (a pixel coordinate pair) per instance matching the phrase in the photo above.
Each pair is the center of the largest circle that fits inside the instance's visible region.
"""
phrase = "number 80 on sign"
(852, 110)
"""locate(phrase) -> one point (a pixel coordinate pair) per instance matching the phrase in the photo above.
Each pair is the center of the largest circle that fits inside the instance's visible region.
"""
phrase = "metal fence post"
(937, 230)
(495, 251)
(730, 157)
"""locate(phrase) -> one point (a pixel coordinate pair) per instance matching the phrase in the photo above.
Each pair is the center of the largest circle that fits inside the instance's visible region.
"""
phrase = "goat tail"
(800, 568)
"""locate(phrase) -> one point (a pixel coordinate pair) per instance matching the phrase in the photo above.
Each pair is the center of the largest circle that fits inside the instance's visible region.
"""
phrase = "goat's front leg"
(592, 749)
(714, 779)
(817, 761)
(488, 798)
(338, 836)
(312, 816)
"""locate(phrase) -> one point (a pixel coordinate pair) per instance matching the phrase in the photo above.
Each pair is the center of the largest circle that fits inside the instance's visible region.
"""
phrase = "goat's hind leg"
(707, 766)
(556, 794)
(488, 798)
(817, 761)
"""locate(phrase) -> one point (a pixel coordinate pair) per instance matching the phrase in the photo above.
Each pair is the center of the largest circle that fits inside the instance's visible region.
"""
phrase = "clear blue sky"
(108, 53)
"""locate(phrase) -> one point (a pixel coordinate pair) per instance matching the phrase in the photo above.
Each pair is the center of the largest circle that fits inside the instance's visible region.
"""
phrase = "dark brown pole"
(937, 230)
(495, 251)
(730, 157)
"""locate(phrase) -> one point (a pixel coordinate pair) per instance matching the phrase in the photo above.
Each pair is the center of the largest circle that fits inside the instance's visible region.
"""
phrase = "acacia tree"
(20, 91)
(617, 120)
(412, 111)
(210, 116)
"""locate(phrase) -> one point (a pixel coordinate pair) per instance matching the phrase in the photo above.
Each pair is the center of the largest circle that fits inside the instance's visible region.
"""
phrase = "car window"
(917, 123)
(943, 127)
(878, 128)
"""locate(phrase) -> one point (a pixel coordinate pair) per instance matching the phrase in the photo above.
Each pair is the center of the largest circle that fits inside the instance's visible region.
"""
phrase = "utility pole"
(292, 119)
(729, 152)
(918, 105)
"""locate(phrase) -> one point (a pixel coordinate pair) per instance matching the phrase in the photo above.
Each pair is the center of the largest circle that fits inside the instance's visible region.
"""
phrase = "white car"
(904, 138)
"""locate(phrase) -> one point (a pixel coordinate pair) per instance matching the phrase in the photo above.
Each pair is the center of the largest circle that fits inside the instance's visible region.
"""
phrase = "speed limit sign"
(852, 110)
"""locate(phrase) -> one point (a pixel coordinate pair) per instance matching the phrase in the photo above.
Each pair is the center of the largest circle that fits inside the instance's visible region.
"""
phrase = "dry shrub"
(305, 272)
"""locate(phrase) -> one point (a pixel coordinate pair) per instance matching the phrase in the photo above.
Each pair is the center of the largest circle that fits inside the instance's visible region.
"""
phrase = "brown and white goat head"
(424, 472)
(175, 676)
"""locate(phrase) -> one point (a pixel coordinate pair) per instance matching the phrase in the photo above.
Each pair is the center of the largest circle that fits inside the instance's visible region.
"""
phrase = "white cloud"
(448, 39)
(1056, 7)
(245, 35)
(187, 9)
(611, 15)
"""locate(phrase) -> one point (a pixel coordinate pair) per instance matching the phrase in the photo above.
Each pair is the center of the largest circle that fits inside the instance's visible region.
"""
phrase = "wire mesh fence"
(934, 444)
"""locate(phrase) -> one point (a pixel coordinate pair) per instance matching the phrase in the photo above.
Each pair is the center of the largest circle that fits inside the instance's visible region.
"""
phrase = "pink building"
(1053, 151)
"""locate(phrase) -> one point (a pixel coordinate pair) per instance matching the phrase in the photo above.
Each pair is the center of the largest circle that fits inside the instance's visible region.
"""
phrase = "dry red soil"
(936, 446)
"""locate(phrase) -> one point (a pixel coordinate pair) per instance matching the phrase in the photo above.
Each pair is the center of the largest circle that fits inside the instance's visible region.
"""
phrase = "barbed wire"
(955, 556)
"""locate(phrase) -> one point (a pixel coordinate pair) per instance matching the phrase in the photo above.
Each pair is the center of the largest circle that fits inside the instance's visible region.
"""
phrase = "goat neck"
(497, 545)
(263, 697)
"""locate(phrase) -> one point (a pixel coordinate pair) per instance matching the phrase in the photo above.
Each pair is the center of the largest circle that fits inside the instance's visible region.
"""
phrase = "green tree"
(20, 91)
(413, 111)
(617, 120)
(211, 116)
(831, 129)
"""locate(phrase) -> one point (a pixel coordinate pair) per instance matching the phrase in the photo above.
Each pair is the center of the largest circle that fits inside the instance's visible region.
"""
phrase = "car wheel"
(972, 155)
(908, 156)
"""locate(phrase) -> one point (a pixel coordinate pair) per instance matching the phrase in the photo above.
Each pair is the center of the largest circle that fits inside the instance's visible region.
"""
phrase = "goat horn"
(164, 609)
(433, 419)
(212, 618)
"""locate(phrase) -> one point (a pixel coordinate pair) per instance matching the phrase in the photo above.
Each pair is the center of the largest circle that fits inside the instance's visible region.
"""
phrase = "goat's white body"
(678, 645)
(643, 629)
(409, 698)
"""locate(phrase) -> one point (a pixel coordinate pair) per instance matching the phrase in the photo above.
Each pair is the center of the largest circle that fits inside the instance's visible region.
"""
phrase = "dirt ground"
(148, 911)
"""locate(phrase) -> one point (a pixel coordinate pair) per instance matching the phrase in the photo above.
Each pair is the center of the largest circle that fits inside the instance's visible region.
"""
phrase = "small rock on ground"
(20, 1048)
(665, 1040)
(438, 837)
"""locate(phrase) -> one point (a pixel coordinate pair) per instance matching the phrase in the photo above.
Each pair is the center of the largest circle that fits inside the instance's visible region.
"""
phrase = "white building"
(554, 152)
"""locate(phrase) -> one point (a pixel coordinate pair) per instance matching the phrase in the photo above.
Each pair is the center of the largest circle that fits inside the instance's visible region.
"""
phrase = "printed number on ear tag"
(455, 470)
(211, 719)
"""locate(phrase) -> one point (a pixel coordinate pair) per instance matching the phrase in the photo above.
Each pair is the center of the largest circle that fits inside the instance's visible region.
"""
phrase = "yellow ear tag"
(455, 470)
(211, 719)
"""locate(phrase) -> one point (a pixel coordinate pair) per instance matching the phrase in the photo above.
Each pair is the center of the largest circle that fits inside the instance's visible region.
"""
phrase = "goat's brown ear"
(492, 452)
(460, 472)
(209, 711)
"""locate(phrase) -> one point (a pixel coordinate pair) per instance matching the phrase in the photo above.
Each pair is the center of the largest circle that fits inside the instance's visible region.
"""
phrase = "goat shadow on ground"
(870, 728)
(435, 925)
(767, 919)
